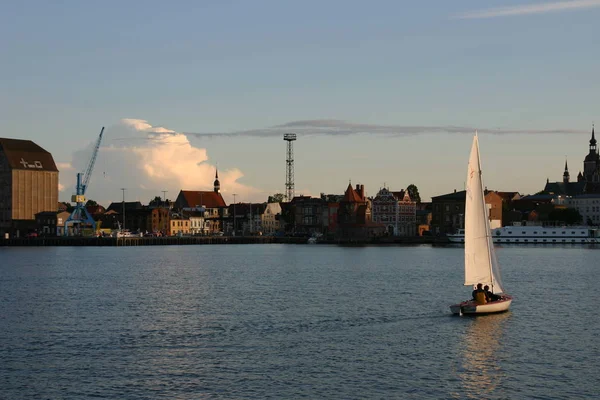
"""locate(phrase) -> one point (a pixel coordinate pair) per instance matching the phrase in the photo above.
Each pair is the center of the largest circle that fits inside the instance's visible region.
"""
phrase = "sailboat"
(481, 264)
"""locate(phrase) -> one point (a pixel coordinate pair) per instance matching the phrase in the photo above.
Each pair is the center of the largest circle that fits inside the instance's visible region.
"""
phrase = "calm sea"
(293, 321)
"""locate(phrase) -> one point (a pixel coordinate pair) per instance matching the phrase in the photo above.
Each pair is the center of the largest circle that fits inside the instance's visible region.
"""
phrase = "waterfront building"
(197, 222)
(354, 216)
(588, 206)
(271, 219)
(178, 225)
(213, 203)
(330, 212)
(28, 185)
(47, 223)
(448, 210)
(396, 211)
(307, 215)
(61, 218)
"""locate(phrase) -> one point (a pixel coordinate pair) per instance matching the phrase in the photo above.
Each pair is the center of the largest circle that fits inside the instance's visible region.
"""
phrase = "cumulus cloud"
(334, 127)
(145, 160)
(527, 9)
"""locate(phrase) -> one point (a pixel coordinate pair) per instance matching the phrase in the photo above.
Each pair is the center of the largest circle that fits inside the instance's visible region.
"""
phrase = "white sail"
(481, 265)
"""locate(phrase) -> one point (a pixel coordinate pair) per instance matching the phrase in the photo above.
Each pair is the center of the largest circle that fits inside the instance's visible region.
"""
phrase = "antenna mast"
(289, 175)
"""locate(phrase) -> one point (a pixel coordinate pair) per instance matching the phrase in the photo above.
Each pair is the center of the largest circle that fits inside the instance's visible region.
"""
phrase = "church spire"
(593, 140)
(566, 176)
(217, 184)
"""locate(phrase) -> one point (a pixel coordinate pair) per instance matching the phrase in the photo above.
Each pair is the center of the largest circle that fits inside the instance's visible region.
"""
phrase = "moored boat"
(532, 234)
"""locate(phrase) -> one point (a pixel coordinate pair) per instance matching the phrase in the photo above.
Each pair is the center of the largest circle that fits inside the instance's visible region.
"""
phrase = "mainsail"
(481, 265)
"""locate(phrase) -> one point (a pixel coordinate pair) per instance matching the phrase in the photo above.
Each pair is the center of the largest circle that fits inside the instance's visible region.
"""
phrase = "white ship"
(538, 235)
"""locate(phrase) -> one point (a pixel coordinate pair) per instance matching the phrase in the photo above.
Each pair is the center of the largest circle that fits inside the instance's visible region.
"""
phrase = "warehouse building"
(28, 185)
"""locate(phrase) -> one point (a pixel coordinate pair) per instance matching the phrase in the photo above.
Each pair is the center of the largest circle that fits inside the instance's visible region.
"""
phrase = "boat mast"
(486, 216)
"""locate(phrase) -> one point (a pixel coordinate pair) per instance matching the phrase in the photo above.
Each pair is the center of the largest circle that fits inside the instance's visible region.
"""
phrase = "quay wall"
(190, 240)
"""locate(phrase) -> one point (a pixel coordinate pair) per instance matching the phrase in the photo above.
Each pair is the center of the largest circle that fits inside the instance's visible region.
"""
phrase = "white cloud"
(528, 9)
(147, 160)
(64, 166)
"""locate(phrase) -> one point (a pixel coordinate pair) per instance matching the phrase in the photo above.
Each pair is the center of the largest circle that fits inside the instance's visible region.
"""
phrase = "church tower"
(591, 163)
(217, 184)
(566, 176)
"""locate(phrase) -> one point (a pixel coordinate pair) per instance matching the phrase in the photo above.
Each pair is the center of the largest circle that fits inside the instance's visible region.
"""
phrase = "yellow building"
(178, 226)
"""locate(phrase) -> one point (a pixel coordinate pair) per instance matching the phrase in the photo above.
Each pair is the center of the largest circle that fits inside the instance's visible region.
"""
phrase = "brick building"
(28, 185)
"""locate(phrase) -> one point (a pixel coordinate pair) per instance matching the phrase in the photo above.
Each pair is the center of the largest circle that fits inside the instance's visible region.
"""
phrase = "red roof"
(351, 196)
(193, 198)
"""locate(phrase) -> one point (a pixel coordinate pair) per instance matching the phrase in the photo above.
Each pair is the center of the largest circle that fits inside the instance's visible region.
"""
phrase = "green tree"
(91, 203)
(276, 198)
(413, 192)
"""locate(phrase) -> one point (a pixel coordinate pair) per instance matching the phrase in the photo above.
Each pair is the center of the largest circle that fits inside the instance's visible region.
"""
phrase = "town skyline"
(380, 94)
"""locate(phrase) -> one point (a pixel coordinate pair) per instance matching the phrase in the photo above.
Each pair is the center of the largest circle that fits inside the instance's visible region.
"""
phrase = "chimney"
(454, 190)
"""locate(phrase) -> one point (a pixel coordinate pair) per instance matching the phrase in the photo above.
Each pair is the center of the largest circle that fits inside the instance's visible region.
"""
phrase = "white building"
(588, 206)
(270, 218)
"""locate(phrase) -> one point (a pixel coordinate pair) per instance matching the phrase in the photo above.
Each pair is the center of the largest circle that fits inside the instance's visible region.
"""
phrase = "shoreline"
(203, 240)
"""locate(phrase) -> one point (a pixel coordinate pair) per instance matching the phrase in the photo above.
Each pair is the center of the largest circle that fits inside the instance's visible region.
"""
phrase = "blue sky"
(510, 67)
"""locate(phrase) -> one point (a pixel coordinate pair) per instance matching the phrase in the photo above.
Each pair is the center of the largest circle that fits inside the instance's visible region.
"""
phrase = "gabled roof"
(351, 196)
(193, 198)
(569, 188)
(117, 206)
(246, 208)
(462, 195)
(26, 155)
(508, 196)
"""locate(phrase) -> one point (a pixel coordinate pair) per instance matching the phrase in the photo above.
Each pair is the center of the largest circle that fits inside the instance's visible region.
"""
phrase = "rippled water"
(285, 321)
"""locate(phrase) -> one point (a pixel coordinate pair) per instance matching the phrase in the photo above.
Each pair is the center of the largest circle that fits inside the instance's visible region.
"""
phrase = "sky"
(379, 93)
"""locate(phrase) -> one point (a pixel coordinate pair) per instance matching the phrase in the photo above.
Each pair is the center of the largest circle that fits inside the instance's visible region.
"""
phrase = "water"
(285, 321)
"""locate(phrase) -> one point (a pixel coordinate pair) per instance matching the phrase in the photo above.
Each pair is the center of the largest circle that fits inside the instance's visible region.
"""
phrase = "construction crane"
(80, 216)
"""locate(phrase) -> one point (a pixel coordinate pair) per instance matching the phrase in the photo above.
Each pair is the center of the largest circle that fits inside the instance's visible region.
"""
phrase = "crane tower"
(289, 172)
(80, 216)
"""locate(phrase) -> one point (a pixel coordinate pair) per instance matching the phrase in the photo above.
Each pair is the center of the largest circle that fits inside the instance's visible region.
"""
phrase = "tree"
(91, 203)
(276, 198)
(413, 192)
(156, 201)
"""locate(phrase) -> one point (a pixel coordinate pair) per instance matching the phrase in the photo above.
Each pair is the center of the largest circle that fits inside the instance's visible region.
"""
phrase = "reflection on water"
(481, 373)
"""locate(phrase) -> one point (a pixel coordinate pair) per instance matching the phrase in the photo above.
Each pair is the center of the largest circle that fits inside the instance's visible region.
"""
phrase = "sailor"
(479, 295)
(489, 296)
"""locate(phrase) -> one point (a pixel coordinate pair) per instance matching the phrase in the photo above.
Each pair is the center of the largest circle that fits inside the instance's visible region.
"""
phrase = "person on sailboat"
(489, 296)
(479, 294)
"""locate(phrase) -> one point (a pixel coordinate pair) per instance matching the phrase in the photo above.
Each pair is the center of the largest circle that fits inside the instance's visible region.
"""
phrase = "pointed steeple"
(566, 176)
(593, 139)
(217, 184)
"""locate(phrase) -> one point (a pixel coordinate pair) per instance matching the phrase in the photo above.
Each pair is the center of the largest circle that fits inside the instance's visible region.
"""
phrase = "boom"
(90, 168)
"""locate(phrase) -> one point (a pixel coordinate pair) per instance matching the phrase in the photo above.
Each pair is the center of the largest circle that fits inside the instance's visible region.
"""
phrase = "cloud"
(146, 160)
(528, 9)
(343, 128)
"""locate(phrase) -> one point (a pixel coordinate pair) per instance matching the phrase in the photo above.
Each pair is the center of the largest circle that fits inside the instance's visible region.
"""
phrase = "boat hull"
(469, 307)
